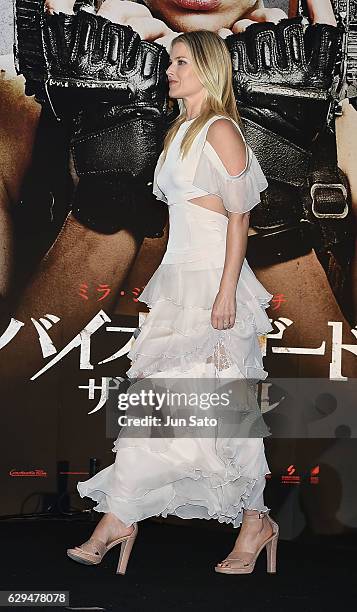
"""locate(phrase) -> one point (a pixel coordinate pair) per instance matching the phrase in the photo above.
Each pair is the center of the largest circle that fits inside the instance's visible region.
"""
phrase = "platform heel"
(125, 550)
(99, 549)
(247, 560)
(271, 547)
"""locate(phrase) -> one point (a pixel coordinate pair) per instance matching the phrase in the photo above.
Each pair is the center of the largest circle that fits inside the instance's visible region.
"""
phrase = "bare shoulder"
(228, 143)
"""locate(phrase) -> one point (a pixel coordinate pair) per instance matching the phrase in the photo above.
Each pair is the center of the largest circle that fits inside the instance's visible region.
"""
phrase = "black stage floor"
(171, 568)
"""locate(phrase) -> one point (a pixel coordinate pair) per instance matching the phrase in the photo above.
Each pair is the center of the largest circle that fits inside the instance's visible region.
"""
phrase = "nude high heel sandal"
(100, 549)
(246, 560)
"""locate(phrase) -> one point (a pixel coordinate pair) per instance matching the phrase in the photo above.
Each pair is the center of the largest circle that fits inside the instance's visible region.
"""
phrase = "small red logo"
(314, 474)
(28, 473)
(291, 477)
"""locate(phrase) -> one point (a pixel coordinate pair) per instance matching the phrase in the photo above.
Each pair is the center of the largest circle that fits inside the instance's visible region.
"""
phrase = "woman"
(207, 309)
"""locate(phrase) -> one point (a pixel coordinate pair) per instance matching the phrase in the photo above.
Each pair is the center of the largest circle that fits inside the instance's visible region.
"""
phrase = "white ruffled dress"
(204, 477)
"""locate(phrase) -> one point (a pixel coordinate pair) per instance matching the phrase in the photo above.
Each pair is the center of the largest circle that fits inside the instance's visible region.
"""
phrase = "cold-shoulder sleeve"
(239, 193)
(155, 187)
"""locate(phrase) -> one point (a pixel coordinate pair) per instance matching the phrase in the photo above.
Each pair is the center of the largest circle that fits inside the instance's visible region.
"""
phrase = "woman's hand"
(320, 11)
(59, 6)
(137, 16)
(140, 19)
(263, 14)
(224, 310)
(124, 12)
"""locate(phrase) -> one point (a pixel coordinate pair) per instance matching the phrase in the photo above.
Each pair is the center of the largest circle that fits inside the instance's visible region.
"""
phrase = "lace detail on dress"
(221, 357)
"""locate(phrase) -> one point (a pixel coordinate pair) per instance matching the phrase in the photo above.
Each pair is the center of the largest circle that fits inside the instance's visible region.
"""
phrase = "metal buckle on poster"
(337, 186)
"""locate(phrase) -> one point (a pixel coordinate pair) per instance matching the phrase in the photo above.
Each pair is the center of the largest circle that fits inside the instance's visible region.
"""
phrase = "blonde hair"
(213, 65)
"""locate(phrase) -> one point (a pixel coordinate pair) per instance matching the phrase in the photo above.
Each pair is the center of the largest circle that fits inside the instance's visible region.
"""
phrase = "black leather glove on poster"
(115, 146)
(108, 88)
(284, 75)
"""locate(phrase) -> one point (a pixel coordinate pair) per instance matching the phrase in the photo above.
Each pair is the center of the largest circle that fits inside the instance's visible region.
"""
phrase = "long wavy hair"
(213, 65)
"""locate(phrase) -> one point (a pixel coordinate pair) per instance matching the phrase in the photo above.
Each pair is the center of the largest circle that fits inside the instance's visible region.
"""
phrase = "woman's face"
(190, 15)
(183, 80)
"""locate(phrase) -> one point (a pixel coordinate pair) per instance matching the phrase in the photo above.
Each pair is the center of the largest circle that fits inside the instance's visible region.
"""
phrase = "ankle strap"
(259, 515)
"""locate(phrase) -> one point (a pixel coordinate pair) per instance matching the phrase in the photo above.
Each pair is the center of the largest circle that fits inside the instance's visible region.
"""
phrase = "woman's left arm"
(224, 307)
(230, 147)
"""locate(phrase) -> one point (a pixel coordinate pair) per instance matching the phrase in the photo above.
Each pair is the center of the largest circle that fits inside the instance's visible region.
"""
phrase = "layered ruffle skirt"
(213, 476)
